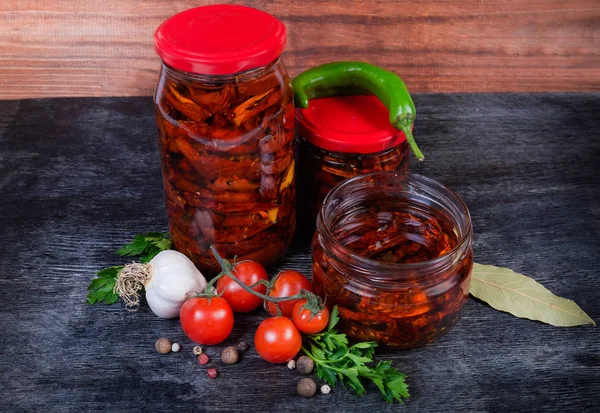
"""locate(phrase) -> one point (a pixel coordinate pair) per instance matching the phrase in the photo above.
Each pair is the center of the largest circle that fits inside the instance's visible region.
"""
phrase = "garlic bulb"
(173, 275)
(167, 278)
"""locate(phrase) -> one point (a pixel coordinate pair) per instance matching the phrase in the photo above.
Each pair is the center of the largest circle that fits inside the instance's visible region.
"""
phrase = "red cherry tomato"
(277, 340)
(206, 321)
(306, 321)
(248, 272)
(287, 283)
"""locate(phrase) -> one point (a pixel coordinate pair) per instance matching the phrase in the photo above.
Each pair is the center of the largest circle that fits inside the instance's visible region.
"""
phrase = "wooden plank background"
(104, 48)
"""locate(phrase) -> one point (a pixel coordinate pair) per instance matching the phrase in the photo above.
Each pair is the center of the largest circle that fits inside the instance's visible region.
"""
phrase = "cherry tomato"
(287, 283)
(277, 340)
(248, 272)
(206, 321)
(308, 323)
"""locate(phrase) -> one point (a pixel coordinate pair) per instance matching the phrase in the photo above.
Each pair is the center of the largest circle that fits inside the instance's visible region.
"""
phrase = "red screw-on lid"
(355, 124)
(220, 39)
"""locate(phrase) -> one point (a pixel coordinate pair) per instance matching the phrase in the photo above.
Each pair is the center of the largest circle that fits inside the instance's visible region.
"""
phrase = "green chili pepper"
(351, 78)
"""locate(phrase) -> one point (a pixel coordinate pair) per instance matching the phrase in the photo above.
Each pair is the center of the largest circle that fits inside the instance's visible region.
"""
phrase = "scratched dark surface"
(79, 177)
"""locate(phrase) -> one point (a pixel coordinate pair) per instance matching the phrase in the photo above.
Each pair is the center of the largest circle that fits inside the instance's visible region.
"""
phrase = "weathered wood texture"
(80, 177)
(104, 48)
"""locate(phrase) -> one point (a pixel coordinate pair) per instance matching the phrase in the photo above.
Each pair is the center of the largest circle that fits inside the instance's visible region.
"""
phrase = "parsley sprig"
(335, 362)
(144, 246)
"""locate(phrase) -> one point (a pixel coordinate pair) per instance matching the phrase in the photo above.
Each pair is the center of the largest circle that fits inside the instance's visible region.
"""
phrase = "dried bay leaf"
(514, 293)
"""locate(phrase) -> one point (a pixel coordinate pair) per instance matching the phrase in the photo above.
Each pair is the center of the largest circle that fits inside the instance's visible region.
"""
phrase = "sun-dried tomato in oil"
(227, 152)
(395, 260)
(322, 170)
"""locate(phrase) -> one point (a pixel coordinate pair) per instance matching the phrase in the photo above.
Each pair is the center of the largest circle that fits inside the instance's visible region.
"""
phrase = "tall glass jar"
(225, 116)
(394, 253)
(341, 137)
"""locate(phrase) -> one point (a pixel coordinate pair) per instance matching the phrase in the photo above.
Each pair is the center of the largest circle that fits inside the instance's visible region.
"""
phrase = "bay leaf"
(519, 295)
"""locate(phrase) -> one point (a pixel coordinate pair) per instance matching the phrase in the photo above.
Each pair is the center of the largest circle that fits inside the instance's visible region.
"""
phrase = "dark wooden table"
(80, 177)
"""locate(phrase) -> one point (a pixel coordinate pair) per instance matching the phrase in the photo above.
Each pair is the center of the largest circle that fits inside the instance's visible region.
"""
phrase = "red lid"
(356, 124)
(220, 39)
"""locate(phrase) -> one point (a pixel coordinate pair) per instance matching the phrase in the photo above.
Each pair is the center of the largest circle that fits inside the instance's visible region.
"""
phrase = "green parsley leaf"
(101, 288)
(333, 318)
(336, 362)
(364, 344)
(317, 352)
(146, 246)
(327, 375)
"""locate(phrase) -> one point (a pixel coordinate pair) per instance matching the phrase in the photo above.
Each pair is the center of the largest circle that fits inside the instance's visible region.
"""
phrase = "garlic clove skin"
(173, 276)
(162, 307)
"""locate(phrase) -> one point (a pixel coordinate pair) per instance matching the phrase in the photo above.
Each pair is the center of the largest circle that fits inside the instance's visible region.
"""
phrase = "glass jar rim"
(324, 228)
(240, 77)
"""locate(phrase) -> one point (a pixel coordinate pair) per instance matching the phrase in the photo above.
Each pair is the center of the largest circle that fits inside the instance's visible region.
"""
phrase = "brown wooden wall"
(104, 47)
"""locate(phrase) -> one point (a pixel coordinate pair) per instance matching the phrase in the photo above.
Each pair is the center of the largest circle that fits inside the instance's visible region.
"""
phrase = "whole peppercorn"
(203, 359)
(175, 347)
(242, 346)
(230, 355)
(197, 350)
(291, 364)
(212, 373)
(163, 345)
(307, 387)
(325, 389)
(305, 365)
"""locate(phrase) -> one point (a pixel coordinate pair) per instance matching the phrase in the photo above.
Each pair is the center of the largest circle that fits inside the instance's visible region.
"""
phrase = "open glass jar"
(393, 252)
(341, 137)
(225, 116)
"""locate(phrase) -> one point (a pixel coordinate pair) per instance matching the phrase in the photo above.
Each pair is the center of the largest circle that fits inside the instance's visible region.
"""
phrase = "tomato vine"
(314, 302)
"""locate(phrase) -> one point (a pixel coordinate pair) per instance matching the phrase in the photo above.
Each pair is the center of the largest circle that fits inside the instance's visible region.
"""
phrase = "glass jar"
(393, 252)
(225, 116)
(341, 137)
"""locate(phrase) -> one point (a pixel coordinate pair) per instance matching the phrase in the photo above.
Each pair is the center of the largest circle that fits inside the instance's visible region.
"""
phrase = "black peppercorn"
(242, 346)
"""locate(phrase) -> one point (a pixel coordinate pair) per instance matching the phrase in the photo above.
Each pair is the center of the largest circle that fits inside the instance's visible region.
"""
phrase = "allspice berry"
(163, 345)
(305, 365)
(307, 387)
(230, 355)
